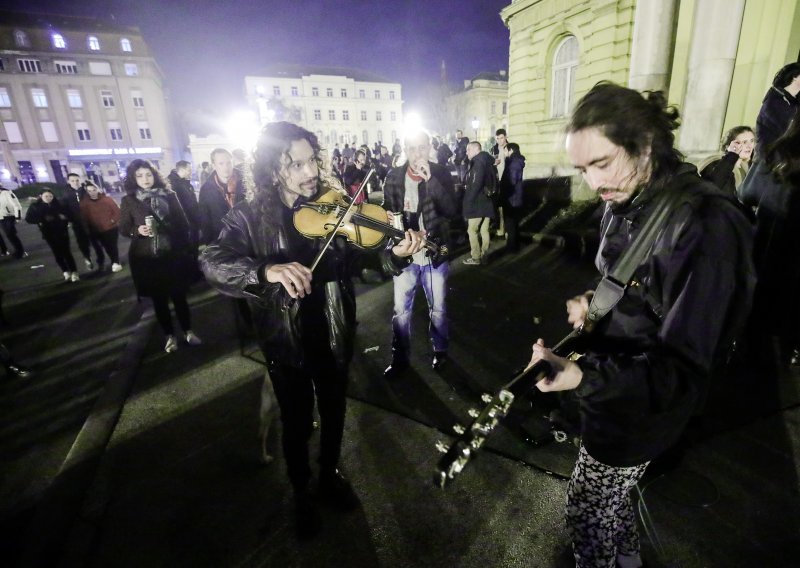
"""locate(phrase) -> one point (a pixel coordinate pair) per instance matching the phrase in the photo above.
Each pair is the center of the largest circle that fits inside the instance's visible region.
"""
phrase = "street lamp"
(475, 124)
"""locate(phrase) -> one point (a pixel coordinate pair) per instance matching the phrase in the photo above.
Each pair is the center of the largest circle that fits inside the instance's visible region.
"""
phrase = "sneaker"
(116, 267)
(66, 276)
(172, 344)
(336, 491)
(192, 339)
(471, 261)
(74, 277)
(89, 264)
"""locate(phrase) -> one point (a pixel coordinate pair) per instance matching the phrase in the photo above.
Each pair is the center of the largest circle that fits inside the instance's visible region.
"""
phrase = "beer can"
(149, 222)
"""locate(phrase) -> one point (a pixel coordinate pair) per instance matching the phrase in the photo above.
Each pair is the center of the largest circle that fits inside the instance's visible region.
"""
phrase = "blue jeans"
(434, 283)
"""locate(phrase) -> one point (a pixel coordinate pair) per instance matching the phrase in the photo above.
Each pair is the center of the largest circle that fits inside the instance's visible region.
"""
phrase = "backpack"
(490, 185)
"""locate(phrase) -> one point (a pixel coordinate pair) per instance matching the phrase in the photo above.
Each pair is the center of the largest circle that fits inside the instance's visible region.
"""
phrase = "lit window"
(74, 98)
(131, 69)
(138, 100)
(363, 115)
(345, 115)
(49, 132)
(391, 95)
(314, 91)
(93, 43)
(39, 98)
(21, 39)
(362, 94)
(565, 65)
(317, 115)
(108, 99)
(378, 115)
(82, 129)
(364, 136)
(144, 131)
(125, 44)
(5, 100)
(344, 93)
(66, 67)
(276, 90)
(295, 92)
(29, 65)
(100, 68)
(13, 132)
(377, 94)
(58, 41)
(393, 116)
(332, 115)
(329, 92)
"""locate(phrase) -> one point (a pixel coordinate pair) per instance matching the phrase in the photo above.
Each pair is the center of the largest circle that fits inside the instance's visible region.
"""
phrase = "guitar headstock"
(471, 438)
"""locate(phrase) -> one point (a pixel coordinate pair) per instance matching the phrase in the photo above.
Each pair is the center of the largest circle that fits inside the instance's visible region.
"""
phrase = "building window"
(344, 93)
(144, 131)
(125, 44)
(331, 115)
(505, 108)
(93, 43)
(58, 41)
(131, 69)
(39, 98)
(82, 129)
(565, 65)
(138, 100)
(378, 116)
(108, 99)
(21, 39)
(115, 130)
(494, 107)
(317, 114)
(49, 132)
(391, 95)
(100, 68)
(329, 92)
(66, 67)
(393, 116)
(276, 90)
(314, 91)
(380, 135)
(29, 65)
(377, 94)
(74, 98)
(345, 115)
(363, 115)
(5, 100)
(364, 137)
(295, 92)
(13, 132)
(362, 94)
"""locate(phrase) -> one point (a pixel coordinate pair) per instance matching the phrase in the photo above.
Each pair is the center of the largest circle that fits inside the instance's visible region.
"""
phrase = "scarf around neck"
(228, 190)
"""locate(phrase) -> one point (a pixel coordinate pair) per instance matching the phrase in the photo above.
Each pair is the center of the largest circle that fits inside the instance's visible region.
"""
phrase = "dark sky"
(205, 48)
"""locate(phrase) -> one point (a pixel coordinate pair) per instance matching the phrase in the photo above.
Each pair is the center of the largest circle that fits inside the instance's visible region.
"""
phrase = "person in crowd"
(478, 208)
(347, 154)
(205, 173)
(10, 212)
(354, 175)
(179, 181)
(443, 153)
(223, 189)
(778, 108)
(511, 194)
(305, 320)
(100, 216)
(73, 193)
(161, 263)
(52, 218)
(648, 365)
(421, 193)
(3, 247)
(500, 153)
(728, 171)
(460, 155)
(337, 154)
(397, 148)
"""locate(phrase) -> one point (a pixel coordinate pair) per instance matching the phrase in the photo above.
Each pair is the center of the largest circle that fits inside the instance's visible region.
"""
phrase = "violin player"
(307, 341)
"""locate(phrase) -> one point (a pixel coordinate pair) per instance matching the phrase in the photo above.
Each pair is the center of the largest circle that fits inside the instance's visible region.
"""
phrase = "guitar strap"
(612, 287)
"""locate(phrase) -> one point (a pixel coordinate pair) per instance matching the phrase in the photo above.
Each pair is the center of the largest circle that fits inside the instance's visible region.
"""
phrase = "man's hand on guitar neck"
(566, 374)
(578, 307)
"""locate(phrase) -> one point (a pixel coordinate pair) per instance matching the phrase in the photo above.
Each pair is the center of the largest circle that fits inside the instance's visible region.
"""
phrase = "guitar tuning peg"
(442, 447)
(486, 397)
(473, 412)
(459, 429)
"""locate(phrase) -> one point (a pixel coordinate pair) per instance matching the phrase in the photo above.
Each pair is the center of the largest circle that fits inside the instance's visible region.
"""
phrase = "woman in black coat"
(52, 218)
(159, 256)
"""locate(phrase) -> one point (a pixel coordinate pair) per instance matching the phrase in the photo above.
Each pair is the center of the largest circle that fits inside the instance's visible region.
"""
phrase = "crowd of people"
(655, 344)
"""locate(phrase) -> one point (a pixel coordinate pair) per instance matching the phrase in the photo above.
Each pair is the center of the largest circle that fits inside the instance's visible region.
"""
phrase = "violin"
(365, 225)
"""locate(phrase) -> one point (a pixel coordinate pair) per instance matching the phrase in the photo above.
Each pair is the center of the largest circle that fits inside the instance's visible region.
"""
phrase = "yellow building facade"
(715, 58)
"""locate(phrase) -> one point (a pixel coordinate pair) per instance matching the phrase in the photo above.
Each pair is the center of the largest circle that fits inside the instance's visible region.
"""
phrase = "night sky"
(206, 48)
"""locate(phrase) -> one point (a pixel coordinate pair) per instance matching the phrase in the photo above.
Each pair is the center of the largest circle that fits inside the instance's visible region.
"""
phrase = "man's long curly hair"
(263, 177)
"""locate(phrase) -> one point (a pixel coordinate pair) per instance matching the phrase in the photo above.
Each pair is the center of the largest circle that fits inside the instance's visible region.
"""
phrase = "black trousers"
(161, 307)
(106, 240)
(9, 225)
(82, 238)
(61, 251)
(511, 218)
(3, 247)
(295, 390)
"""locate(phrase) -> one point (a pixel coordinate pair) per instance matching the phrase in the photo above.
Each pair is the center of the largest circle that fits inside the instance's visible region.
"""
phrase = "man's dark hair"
(73, 174)
(635, 121)
(786, 75)
(783, 156)
(359, 153)
(731, 135)
(500, 131)
(513, 147)
(130, 185)
(182, 164)
(205, 165)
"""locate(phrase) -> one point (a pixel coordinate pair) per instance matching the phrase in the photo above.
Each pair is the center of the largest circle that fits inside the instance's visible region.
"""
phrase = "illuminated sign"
(114, 151)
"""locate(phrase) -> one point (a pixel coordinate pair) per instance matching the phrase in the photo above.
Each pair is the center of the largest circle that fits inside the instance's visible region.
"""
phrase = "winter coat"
(649, 361)
(723, 173)
(213, 207)
(475, 203)
(9, 204)
(185, 192)
(777, 111)
(52, 218)
(511, 193)
(99, 215)
(460, 154)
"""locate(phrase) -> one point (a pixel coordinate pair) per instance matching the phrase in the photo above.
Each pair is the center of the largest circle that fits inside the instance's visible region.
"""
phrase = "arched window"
(125, 44)
(565, 64)
(58, 41)
(93, 43)
(21, 39)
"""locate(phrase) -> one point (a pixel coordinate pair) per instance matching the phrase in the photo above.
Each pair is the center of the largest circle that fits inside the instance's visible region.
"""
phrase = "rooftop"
(298, 71)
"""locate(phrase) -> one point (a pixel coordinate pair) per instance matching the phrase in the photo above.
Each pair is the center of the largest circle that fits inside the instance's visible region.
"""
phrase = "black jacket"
(649, 360)
(460, 155)
(443, 154)
(51, 218)
(511, 194)
(185, 193)
(475, 203)
(777, 111)
(213, 207)
(72, 203)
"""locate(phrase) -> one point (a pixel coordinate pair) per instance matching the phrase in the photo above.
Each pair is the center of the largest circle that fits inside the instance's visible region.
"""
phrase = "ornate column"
(652, 46)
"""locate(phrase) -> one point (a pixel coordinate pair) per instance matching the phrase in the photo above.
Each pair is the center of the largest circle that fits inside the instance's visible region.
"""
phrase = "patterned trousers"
(599, 512)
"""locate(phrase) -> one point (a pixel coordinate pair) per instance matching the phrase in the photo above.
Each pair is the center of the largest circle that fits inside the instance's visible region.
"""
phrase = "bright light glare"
(242, 128)
(412, 124)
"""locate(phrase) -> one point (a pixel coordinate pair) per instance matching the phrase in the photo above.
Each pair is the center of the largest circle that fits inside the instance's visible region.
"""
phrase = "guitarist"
(649, 360)
(422, 194)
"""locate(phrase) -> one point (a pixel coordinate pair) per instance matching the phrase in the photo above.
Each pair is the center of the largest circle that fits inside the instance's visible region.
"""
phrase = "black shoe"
(336, 491)
(439, 359)
(308, 521)
(395, 370)
(18, 371)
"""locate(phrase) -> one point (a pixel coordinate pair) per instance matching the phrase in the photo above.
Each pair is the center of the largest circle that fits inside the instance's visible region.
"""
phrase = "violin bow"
(339, 223)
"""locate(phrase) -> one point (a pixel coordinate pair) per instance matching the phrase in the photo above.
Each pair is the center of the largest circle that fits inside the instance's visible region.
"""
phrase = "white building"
(480, 108)
(339, 105)
(78, 95)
